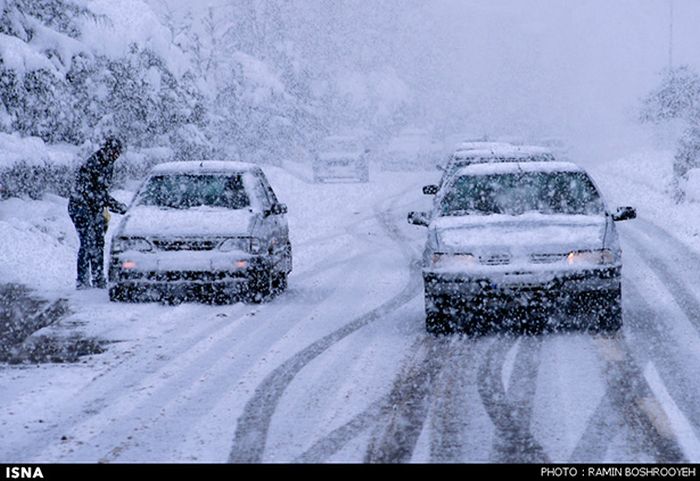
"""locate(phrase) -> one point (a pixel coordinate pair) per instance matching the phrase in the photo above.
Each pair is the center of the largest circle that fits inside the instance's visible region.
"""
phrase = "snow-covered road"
(339, 368)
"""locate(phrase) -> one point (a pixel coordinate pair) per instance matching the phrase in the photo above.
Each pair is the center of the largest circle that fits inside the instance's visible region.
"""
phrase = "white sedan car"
(213, 229)
(509, 242)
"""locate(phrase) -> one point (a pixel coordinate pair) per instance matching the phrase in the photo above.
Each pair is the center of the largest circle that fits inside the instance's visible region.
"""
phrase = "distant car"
(212, 229)
(527, 235)
(341, 158)
(494, 153)
(469, 146)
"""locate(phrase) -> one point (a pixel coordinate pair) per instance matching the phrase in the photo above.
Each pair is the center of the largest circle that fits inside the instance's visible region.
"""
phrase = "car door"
(274, 224)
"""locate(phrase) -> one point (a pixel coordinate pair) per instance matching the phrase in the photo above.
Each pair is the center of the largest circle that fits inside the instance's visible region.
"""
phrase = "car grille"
(495, 260)
(185, 245)
(546, 258)
(182, 276)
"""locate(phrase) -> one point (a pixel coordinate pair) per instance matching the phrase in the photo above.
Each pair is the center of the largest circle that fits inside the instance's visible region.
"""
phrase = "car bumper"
(519, 283)
(185, 272)
(562, 300)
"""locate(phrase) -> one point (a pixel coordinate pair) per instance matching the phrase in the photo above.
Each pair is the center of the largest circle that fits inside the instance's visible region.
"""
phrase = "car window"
(185, 191)
(260, 192)
(517, 193)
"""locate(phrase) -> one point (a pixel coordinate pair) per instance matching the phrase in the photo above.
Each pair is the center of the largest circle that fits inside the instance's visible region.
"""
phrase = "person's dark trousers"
(90, 228)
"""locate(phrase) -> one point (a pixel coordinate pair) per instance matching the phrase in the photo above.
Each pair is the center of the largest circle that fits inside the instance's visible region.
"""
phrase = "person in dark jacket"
(88, 201)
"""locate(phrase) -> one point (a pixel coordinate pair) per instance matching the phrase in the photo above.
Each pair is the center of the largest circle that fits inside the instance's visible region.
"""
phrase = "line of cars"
(512, 233)
(515, 235)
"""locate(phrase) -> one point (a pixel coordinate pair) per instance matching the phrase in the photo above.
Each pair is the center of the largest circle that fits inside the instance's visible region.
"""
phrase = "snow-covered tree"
(676, 97)
(38, 41)
(58, 88)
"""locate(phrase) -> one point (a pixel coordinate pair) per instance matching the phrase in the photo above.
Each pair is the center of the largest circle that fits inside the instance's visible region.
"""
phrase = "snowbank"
(39, 244)
(16, 149)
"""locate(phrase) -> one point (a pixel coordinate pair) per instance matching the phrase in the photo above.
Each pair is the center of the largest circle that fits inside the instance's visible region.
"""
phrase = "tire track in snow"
(143, 400)
(596, 438)
(408, 403)
(449, 404)
(253, 425)
(688, 303)
(337, 439)
(513, 440)
(685, 299)
(218, 378)
(655, 344)
(657, 341)
(673, 366)
(633, 400)
(521, 390)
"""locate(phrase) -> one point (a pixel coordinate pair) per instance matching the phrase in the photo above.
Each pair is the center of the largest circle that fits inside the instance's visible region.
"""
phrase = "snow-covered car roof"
(205, 166)
(517, 167)
(478, 145)
(504, 150)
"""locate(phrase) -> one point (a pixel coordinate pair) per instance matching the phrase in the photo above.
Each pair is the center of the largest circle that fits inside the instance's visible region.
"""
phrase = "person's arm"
(115, 206)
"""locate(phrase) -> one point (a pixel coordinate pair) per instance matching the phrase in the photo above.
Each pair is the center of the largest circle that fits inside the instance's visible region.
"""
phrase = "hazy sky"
(563, 67)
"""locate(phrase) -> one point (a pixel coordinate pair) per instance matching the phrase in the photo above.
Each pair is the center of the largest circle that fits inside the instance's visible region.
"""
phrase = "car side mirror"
(419, 218)
(276, 209)
(430, 189)
(624, 213)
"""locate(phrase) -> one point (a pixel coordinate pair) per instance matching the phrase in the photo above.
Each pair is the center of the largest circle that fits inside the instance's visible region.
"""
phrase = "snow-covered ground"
(339, 368)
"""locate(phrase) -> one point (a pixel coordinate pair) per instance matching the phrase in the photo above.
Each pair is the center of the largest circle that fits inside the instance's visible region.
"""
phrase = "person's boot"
(81, 286)
(100, 283)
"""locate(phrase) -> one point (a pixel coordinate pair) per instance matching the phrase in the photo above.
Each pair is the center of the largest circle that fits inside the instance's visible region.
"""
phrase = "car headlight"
(453, 261)
(250, 245)
(597, 257)
(123, 244)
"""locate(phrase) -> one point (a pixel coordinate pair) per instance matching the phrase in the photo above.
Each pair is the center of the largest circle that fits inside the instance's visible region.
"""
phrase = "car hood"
(524, 234)
(149, 221)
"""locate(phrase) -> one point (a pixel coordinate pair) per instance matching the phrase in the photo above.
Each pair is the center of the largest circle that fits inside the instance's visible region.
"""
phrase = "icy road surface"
(339, 369)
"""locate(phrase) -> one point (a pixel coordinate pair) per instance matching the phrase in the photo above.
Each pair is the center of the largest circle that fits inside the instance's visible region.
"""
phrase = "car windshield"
(518, 193)
(185, 191)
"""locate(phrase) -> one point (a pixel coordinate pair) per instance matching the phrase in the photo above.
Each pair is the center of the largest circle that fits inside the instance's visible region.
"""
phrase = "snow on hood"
(528, 233)
(149, 221)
